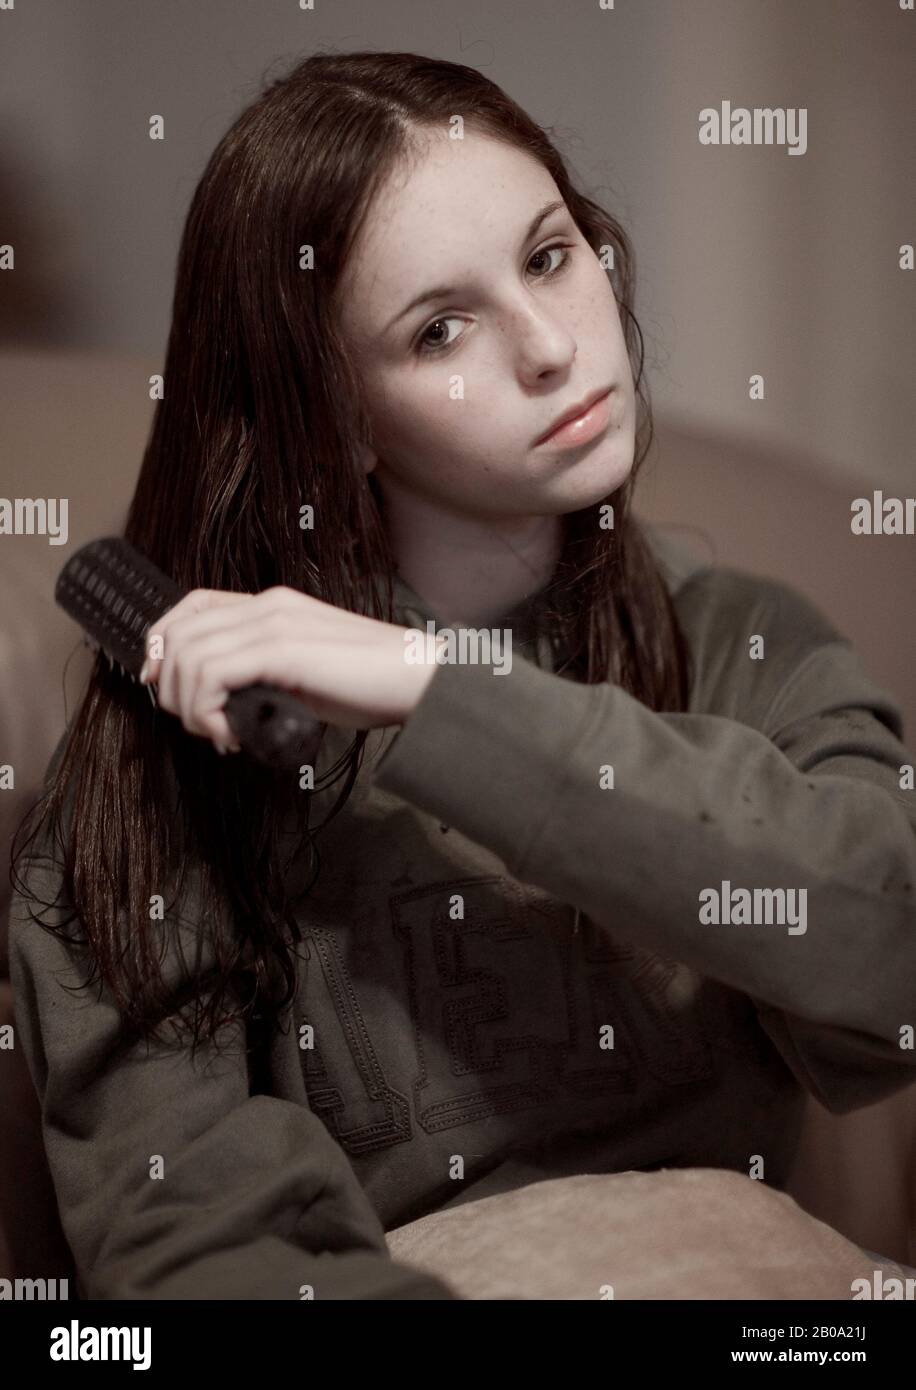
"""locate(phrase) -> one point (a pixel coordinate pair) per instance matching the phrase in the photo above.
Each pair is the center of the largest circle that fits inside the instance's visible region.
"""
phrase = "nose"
(542, 342)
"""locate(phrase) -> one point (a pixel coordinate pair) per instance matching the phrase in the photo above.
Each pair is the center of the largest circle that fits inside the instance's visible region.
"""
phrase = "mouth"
(581, 422)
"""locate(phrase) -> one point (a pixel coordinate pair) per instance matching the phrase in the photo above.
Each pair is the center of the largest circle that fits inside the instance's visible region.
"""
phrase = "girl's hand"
(347, 669)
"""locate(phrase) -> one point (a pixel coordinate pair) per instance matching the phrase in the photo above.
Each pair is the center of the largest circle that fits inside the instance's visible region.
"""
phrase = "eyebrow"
(443, 291)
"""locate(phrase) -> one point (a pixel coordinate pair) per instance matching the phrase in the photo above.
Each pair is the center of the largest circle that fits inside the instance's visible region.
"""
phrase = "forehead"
(451, 208)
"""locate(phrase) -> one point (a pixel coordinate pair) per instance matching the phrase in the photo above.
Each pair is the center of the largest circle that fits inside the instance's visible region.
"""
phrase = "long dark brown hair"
(261, 415)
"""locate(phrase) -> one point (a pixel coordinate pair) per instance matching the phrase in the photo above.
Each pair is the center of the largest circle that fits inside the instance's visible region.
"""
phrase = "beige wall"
(788, 265)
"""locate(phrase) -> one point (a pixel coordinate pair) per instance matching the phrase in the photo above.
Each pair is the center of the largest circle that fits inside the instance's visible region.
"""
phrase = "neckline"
(523, 618)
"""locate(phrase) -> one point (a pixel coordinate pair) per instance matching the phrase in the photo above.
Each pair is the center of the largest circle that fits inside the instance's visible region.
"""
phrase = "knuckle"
(185, 603)
(269, 599)
(276, 622)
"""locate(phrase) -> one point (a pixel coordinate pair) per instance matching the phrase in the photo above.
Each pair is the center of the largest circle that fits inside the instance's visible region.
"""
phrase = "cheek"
(604, 304)
(413, 415)
(467, 441)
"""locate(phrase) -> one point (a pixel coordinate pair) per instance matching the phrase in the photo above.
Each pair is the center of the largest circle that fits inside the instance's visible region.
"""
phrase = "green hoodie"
(514, 953)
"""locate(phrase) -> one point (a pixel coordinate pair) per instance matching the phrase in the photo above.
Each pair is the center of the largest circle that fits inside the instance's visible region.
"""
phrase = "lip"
(581, 423)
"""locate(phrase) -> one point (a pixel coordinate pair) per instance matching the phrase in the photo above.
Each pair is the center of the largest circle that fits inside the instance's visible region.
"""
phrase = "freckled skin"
(464, 487)
(473, 508)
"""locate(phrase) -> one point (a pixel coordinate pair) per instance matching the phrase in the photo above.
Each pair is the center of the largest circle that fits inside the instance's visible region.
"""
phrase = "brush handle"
(273, 726)
(116, 594)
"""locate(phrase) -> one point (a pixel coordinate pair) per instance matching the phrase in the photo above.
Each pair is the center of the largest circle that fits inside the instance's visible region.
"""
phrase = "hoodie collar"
(525, 619)
(678, 562)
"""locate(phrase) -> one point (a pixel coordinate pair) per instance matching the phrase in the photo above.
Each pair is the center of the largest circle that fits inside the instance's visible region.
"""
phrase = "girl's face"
(460, 388)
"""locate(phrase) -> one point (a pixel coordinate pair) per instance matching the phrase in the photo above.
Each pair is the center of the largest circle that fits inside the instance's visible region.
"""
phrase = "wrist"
(421, 676)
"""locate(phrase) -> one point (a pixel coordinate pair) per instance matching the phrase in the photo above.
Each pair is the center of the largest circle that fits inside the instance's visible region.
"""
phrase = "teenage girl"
(616, 906)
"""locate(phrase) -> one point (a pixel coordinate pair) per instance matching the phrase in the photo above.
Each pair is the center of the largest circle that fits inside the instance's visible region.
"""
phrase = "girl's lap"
(678, 1233)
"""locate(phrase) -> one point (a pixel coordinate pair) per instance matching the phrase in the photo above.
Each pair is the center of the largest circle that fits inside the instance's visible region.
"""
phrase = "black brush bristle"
(116, 594)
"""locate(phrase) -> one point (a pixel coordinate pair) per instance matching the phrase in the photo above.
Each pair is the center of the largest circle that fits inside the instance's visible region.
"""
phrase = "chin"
(600, 474)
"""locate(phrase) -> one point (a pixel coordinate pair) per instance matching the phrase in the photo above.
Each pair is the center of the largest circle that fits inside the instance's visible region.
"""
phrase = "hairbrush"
(116, 594)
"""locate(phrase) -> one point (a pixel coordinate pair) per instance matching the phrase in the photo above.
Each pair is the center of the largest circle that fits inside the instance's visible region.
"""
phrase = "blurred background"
(749, 260)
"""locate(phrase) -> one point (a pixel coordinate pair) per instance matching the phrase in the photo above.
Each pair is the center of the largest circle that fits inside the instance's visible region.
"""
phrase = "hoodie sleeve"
(173, 1181)
(786, 773)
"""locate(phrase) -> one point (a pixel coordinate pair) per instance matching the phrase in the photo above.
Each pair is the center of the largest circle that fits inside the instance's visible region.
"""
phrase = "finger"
(222, 735)
(219, 731)
(206, 603)
(225, 664)
(196, 601)
(199, 668)
(276, 612)
(207, 637)
(154, 640)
